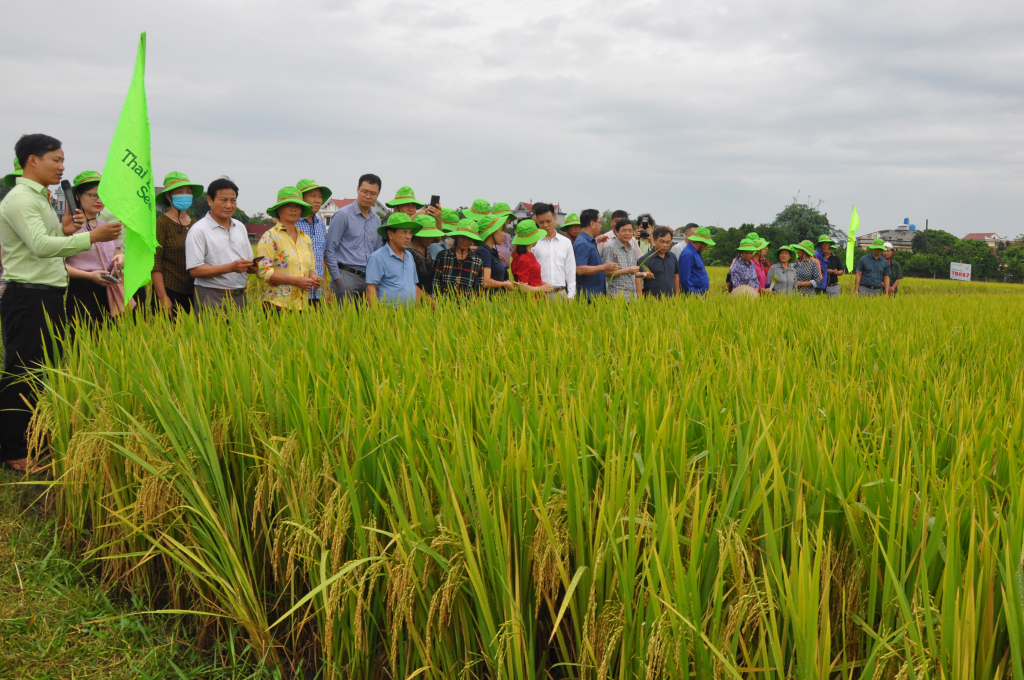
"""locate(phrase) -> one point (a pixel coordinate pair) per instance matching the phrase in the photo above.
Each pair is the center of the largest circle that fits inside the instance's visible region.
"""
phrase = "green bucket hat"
(449, 218)
(403, 196)
(528, 232)
(762, 244)
(501, 209)
(702, 235)
(11, 176)
(427, 227)
(177, 180)
(877, 244)
(790, 249)
(825, 238)
(752, 236)
(571, 220)
(480, 208)
(467, 227)
(490, 225)
(397, 220)
(805, 246)
(87, 177)
(305, 185)
(290, 195)
(747, 244)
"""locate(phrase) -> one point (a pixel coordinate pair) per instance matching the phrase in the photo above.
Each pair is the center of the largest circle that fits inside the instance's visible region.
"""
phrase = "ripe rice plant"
(776, 488)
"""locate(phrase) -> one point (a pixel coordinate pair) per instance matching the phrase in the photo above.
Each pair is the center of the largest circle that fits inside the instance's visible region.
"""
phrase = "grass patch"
(57, 622)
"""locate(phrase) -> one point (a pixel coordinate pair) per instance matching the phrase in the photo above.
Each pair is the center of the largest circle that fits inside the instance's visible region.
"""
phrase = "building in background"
(332, 206)
(991, 238)
(901, 237)
(524, 211)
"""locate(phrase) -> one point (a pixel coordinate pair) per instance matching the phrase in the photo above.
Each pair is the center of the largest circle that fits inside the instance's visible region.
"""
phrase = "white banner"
(959, 272)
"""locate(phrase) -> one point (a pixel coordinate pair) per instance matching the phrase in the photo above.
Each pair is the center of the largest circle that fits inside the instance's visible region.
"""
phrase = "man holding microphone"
(34, 248)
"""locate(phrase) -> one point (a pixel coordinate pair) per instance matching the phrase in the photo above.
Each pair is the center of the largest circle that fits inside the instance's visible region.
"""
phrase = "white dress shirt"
(557, 263)
(209, 243)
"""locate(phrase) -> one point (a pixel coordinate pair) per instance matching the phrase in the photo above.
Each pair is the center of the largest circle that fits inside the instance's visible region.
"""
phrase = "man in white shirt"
(554, 252)
(217, 250)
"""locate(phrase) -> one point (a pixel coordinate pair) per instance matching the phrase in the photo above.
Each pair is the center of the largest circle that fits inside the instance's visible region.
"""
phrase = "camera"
(644, 233)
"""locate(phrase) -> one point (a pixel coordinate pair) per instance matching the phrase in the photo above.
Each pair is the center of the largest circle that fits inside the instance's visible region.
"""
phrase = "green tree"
(4, 190)
(199, 207)
(261, 218)
(982, 257)
(799, 221)
(933, 241)
(1013, 262)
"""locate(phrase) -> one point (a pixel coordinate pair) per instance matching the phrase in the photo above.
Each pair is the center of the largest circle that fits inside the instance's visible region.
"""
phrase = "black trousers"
(181, 303)
(87, 300)
(27, 340)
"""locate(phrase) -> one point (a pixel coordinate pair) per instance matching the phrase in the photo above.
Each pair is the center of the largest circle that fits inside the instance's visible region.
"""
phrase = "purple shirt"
(744, 274)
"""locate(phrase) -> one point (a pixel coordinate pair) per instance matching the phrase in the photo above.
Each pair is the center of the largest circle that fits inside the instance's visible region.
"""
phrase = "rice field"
(719, 488)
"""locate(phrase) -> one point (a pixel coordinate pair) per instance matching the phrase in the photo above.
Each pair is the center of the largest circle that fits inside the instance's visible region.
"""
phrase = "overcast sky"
(715, 112)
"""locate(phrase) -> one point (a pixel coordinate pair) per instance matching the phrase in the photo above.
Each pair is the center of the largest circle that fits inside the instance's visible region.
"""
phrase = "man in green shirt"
(895, 270)
(872, 272)
(34, 248)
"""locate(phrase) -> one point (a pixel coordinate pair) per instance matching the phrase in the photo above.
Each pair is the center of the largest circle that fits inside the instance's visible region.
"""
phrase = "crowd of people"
(54, 269)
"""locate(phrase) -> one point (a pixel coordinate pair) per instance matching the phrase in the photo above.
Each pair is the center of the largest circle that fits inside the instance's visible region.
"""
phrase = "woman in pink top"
(95, 289)
(762, 264)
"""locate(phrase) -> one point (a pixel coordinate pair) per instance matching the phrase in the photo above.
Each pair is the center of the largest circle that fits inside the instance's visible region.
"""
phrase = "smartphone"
(256, 260)
(435, 201)
(111, 279)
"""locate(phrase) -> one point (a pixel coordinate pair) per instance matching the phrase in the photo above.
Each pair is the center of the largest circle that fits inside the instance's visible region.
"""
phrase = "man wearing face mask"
(172, 284)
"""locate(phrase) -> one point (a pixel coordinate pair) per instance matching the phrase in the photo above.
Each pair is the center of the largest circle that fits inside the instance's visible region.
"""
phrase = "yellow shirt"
(285, 256)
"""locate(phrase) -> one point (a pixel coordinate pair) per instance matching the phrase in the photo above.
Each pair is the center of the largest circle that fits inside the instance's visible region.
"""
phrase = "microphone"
(69, 197)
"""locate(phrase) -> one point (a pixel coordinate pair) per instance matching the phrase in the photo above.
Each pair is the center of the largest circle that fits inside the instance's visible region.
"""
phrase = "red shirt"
(526, 269)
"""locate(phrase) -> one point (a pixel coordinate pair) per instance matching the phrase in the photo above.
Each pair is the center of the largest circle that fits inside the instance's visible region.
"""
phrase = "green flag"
(127, 185)
(851, 239)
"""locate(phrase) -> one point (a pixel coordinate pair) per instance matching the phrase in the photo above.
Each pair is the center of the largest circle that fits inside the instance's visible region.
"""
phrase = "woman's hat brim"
(307, 209)
(9, 179)
(325, 193)
(467, 234)
(496, 222)
(163, 196)
(527, 240)
(701, 239)
(429, 232)
(395, 202)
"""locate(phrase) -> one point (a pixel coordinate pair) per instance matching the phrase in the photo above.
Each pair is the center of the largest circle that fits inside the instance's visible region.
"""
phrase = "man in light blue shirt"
(351, 239)
(391, 271)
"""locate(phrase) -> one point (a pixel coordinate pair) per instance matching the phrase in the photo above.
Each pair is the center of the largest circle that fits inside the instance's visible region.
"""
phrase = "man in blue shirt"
(351, 239)
(314, 227)
(821, 254)
(693, 277)
(391, 270)
(591, 272)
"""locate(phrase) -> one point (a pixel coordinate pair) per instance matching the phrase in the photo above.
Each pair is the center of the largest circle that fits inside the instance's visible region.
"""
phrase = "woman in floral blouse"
(288, 264)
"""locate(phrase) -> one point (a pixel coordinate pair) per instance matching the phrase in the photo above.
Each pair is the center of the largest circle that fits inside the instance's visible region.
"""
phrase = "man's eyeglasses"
(369, 194)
